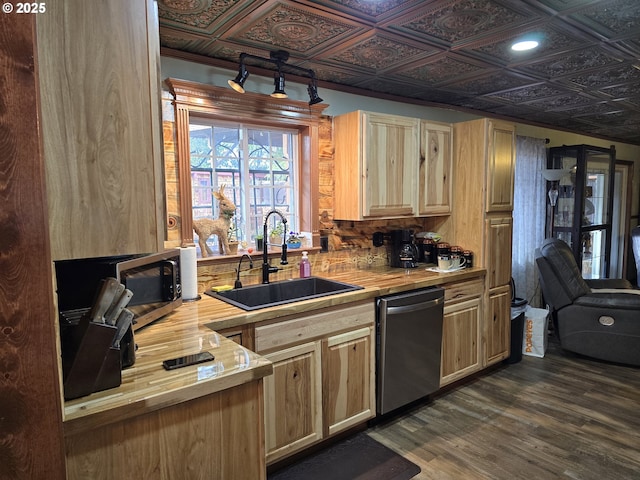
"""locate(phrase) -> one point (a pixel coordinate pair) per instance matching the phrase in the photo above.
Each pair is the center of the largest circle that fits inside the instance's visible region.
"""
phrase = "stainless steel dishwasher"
(409, 341)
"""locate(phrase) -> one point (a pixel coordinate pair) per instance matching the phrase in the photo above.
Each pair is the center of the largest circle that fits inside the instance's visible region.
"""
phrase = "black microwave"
(154, 280)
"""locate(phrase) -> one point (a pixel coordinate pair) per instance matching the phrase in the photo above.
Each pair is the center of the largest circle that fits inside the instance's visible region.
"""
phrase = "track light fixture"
(279, 59)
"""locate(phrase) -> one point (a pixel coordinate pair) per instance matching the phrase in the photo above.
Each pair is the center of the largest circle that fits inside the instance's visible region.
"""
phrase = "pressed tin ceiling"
(584, 77)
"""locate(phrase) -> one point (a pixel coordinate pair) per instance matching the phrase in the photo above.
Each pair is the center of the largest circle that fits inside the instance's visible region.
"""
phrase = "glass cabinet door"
(582, 216)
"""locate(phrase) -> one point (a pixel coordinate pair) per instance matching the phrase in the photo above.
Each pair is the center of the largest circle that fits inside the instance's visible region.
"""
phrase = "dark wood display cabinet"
(582, 216)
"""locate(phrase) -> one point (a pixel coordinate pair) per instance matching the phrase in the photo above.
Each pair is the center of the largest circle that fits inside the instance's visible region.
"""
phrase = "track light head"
(312, 89)
(279, 84)
(238, 83)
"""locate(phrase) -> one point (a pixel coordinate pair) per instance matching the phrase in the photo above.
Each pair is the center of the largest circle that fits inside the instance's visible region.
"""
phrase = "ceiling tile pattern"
(455, 21)
(376, 53)
(584, 77)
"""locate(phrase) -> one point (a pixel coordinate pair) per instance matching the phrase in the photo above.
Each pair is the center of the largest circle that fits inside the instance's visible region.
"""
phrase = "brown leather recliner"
(596, 318)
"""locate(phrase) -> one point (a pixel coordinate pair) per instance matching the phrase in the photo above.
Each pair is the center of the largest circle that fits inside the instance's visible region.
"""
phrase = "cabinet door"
(293, 400)
(435, 171)
(497, 328)
(460, 340)
(501, 166)
(390, 156)
(498, 234)
(347, 379)
(101, 128)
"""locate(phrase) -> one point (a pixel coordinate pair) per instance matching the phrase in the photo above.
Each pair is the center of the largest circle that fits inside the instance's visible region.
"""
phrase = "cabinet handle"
(414, 307)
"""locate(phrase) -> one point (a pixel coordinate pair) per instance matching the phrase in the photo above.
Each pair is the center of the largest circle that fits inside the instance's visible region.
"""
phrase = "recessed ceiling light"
(524, 45)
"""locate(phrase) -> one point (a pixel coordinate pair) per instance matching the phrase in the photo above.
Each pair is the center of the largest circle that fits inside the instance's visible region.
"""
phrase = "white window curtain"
(529, 211)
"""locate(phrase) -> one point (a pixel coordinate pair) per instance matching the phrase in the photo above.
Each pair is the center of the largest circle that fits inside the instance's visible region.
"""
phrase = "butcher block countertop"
(194, 326)
(376, 281)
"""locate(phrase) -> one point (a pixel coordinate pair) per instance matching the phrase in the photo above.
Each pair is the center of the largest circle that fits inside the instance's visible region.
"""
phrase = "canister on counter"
(468, 257)
(429, 251)
(456, 251)
(443, 249)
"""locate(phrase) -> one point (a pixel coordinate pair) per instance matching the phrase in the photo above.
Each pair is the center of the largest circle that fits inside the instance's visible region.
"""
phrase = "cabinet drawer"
(309, 327)
(460, 291)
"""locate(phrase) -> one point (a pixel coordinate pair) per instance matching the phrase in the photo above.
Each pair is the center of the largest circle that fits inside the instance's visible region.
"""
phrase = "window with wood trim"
(256, 166)
(202, 104)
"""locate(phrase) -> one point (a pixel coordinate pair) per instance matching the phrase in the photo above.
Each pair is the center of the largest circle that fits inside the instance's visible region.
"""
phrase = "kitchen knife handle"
(117, 306)
(104, 299)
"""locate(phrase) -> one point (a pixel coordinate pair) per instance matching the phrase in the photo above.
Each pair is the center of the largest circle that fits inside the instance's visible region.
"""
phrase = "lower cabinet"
(293, 400)
(461, 330)
(215, 436)
(323, 376)
(498, 325)
(348, 379)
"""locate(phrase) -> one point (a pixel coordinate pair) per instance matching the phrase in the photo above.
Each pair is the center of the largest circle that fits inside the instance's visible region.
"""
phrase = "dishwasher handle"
(415, 307)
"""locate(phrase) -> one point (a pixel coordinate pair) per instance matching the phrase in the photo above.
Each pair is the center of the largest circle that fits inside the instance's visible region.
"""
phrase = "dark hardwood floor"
(561, 416)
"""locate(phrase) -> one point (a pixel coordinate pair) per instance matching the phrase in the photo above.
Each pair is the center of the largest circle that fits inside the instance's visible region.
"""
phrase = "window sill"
(273, 252)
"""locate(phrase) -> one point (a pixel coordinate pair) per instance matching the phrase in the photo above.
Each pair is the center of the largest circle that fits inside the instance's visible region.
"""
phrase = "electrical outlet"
(378, 239)
(324, 244)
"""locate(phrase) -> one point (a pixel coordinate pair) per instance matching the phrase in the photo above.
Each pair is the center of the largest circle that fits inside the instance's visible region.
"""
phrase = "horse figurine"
(205, 227)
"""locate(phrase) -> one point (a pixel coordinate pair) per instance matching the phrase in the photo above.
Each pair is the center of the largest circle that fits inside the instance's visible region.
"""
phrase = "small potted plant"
(259, 242)
(232, 240)
(294, 240)
(275, 237)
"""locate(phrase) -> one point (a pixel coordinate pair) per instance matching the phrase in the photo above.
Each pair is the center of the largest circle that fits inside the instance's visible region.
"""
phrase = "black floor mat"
(359, 457)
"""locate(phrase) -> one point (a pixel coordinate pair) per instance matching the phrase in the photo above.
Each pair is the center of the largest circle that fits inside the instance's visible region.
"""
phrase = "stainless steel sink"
(255, 297)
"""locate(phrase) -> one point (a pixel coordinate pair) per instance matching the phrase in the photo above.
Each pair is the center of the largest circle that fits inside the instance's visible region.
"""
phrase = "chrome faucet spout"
(266, 267)
(237, 283)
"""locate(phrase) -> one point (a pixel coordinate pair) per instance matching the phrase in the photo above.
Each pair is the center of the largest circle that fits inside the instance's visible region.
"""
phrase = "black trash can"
(518, 306)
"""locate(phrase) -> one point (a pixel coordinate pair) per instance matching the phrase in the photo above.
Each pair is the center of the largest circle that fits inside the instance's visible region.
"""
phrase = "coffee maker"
(404, 253)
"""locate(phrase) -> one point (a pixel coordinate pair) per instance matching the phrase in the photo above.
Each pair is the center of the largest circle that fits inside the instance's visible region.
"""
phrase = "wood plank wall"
(31, 439)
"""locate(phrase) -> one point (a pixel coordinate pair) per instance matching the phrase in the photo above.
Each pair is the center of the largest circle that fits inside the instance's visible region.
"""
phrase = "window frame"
(243, 193)
(218, 103)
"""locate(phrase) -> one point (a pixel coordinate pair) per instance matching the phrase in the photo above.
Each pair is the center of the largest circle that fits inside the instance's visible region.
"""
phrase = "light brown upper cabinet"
(376, 159)
(435, 171)
(101, 129)
(390, 166)
(501, 156)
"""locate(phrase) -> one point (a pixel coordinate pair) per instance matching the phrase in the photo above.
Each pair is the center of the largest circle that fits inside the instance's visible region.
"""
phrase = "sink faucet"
(237, 283)
(266, 267)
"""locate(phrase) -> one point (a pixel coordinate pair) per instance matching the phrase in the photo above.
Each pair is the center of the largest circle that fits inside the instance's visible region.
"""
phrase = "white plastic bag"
(534, 340)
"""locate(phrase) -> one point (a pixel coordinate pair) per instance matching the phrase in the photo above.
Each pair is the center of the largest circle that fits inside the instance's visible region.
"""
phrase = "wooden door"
(436, 167)
(501, 166)
(348, 396)
(497, 327)
(101, 128)
(293, 400)
(390, 156)
(498, 233)
(460, 340)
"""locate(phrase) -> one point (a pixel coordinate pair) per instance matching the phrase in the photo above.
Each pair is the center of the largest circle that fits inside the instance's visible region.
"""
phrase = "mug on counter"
(447, 262)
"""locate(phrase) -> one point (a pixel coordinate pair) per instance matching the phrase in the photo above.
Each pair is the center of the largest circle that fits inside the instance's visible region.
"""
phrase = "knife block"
(89, 362)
